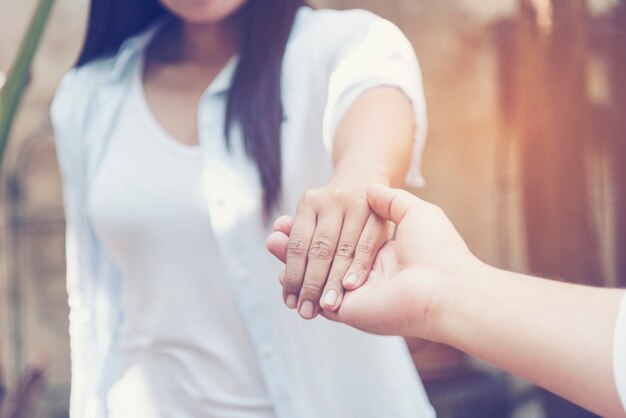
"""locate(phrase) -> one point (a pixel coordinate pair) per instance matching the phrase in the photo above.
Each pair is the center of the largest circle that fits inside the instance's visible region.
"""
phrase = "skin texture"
(184, 58)
(427, 284)
(335, 236)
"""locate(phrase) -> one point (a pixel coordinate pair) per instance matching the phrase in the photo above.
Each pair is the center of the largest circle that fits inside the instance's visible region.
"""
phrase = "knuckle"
(320, 249)
(345, 251)
(350, 198)
(360, 265)
(296, 247)
(361, 201)
(334, 281)
(311, 289)
(291, 280)
(360, 208)
(310, 197)
(367, 247)
(339, 193)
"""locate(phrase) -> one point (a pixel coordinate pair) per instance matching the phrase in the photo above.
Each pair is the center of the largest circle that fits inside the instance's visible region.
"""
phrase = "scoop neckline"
(163, 136)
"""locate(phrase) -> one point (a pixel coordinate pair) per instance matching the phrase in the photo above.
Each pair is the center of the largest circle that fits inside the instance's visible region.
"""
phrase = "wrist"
(356, 177)
(456, 288)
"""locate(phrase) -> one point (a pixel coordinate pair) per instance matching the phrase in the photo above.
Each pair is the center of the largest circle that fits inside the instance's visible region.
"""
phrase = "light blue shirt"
(311, 369)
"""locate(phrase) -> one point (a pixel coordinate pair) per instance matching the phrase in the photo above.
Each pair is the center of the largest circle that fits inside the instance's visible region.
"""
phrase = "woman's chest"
(147, 192)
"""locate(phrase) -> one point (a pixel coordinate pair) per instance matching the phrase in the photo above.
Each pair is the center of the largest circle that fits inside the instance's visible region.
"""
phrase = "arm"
(335, 237)
(374, 115)
(427, 284)
(556, 334)
(374, 140)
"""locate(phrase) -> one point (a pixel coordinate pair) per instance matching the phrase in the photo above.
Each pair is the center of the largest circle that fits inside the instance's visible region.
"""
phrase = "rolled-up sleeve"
(619, 352)
(376, 54)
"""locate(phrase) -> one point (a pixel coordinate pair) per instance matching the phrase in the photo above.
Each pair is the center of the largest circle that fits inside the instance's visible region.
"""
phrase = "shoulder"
(335, 24)
(332, 32)
(87, 75)
(75, 89)
(71, 107)
(78, 85)
(329, 27)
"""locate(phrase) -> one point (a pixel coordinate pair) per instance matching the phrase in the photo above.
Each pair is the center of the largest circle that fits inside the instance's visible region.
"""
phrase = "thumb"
(390, 204)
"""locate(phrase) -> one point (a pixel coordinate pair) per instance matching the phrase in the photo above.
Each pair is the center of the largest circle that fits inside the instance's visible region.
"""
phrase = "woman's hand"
(335, 237)
(331, 246)
(401, 293)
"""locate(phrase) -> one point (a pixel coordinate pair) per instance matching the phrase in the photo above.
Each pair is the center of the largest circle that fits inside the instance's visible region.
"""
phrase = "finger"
(353, 225)
(283, 224)
(374, 235)
(281, 278)
(390, 204)
(320, 257)
(276, 244)
(331, 315)
(297, 251)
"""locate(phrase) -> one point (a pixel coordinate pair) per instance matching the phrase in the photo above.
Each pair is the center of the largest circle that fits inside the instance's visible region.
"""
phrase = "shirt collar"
(224, 78)
(133, 47)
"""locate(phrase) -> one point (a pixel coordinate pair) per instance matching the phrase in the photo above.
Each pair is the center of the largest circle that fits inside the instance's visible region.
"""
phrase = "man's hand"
(401, 291)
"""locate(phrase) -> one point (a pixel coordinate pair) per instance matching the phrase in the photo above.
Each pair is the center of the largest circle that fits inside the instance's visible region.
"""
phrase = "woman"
(184, 126)
(570, 339)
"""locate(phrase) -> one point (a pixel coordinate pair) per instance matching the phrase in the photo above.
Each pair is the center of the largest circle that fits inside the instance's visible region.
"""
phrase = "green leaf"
(11, 92)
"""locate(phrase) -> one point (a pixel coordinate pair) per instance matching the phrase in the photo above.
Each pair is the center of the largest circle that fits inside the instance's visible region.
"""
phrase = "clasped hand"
(329, 247)
(395, 288)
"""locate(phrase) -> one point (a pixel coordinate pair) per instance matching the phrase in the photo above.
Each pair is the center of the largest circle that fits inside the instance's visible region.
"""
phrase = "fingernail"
(331, 298)
(292, 301)
(306, 310)
(352, 279)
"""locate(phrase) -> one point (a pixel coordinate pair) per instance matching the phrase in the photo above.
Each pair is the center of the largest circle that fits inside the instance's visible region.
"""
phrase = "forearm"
(555, 334)
(373, 142)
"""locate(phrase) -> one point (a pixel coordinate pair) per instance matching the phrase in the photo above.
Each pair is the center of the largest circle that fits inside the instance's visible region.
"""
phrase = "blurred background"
(527, 109)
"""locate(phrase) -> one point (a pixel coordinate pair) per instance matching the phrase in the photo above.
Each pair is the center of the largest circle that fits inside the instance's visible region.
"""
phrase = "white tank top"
(184, 347)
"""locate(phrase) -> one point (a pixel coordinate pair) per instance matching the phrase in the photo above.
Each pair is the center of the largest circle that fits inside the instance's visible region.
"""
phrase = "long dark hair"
(254, 98)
